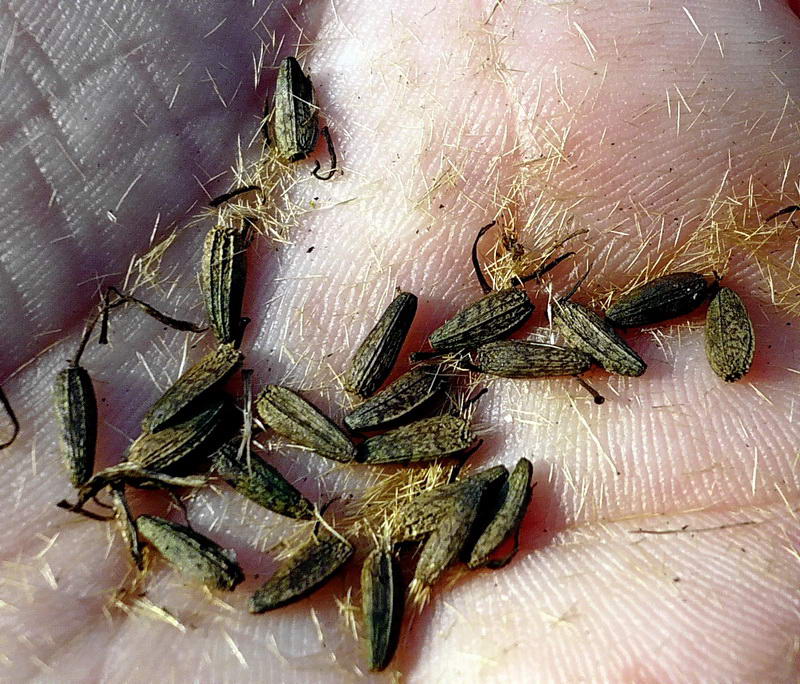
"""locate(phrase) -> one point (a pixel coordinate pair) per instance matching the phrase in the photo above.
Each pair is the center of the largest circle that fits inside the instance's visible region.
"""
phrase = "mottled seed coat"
(304, 571)
(584, 330)
(521, 359)
(422, 440)
(730, 340)
(295, 125)
(381, 606)
(301, 422)
(76, 410)
(493, 316)
(659, 300)
(192, 554)
(222, 280)
(259, 481)
(376, 355)
(404, 396)
(208, 372)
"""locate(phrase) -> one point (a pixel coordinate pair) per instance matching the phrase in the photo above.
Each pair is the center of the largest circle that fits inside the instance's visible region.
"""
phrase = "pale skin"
(657, 114)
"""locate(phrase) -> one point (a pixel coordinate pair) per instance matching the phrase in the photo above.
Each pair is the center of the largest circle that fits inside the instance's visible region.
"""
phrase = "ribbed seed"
(422, 440)
(222, 280)
(259, 481)
(174, 446)
(304, 571)
(126, 523)
(405, 395)
(515, 498)
(730, 340)
(295, 124)
(209, 371)
(521, 359)
(76, 409)
(659, 300)
(381, 606)
(191, 554)
(301, 422)
(376, 355)
(584, 330)
(493, 316)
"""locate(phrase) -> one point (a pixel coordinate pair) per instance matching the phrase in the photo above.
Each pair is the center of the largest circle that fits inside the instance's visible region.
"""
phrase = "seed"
(76, 409)
(211, 370)
(381, 606)
(422, 440)
(584, 330)
(126, 523)
(295, 118)
(730, 341)
(222, 280)
(259, 481)
(659, 300)
(514, 502)
(191, 553)
(376, 355)
(406, 394)
(301, 422)
(493, 316)
(302, 572)
(520, 359)
(174, 446)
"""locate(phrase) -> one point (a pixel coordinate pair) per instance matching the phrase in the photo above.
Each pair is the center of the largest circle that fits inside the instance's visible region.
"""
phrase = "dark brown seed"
(587, 332)
(175, 446)
(76, 409)
(259, 481)
(191, 553)
(404, 396)
(422, 440)
(302, 572)
(730, 341)
(381, 606)
(507, 518)
(493, 316)
(295, 125)
(222, 280)
(659, 300)
(126, 523)
(376, 355)
(211, 370)
(521, 359)
(301, 422)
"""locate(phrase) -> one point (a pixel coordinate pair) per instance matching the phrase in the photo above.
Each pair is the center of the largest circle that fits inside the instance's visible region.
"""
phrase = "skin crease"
(435, 113)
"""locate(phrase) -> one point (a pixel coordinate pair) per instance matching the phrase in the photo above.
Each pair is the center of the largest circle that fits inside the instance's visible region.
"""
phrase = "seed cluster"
(194, 432)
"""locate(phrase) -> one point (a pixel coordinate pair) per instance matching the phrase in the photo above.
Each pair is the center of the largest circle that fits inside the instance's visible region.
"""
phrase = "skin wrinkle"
(399, 132)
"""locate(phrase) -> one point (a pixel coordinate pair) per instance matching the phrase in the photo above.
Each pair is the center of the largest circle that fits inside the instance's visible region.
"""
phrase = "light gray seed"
(295, 125)
(508, 516)
(584, 330)
(521, 359)
(376, 355)
(422, 440)
(191, 554)
(303, 572)
(208, 372)
(404, 396)
(222, 280)
(259, 481)
(76, 410)
(660, 299)
(730, 340)
(301, 422)
(381, 606)
(176, 445)
(493, 316)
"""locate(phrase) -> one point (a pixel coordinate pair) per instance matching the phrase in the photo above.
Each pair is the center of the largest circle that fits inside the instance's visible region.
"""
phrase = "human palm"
(654, 127)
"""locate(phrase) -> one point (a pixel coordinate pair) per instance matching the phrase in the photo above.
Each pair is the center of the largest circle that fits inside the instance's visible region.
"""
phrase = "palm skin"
(440, 112)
